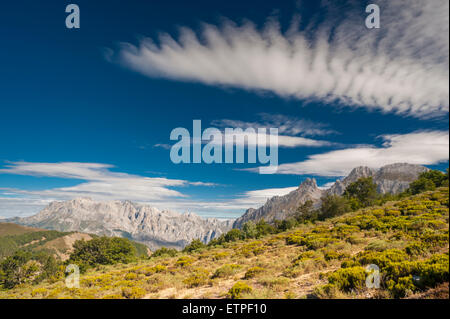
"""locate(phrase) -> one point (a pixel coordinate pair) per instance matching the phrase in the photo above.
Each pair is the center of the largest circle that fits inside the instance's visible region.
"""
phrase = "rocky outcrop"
(392, 178)
(281, 207)
(395, 178)
(141, 223)
(339, 186)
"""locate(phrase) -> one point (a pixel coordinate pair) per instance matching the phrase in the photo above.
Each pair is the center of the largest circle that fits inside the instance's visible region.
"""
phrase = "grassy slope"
(13, 237)
(7, 229)
(290, 264)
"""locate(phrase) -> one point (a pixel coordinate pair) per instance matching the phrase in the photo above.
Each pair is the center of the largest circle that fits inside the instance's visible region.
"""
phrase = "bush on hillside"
(195, 245)
(238, 289)
(27, 267)
(102, 251)
(250, 230)
(428, 181)
(163, 251)
(361, 193)
(333, 205)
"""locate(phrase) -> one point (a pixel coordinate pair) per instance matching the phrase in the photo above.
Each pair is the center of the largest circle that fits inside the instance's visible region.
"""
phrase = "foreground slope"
(407, 240)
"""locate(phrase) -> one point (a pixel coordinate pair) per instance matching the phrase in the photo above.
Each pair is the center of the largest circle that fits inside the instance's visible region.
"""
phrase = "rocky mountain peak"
(308, 183)
(360, 171)
(141, 223)
(280, 207)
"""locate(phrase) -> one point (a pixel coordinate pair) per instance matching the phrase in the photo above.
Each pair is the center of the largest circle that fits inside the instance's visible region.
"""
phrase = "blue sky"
(88, 112)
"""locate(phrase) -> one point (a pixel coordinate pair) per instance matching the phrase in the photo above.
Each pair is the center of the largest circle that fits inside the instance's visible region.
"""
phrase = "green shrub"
(382, 259)
(428, 181)
(220, 255)
(347, 279)
(286, 224)
(253, 272)
(131, 276)
(361, 193)
(233, 235)
(163, 251)
(27, 267)
(184, 261)
(332, 255)
(416, 249)
(433, 271)
(402, 287)
(333, 205)
(306, 212)
(199, 277)
(133, 292)
(102, 251)
(226, 271)
(195, 245)
(250, 230)
(264, 228)
(238, 289)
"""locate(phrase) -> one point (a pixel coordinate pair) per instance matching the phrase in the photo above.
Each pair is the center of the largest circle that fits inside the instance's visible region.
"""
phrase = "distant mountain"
(393, 178)
(280, 207)
(141, 223)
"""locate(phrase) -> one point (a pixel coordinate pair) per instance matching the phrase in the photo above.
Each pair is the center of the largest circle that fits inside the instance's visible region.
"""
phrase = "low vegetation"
(335, 252)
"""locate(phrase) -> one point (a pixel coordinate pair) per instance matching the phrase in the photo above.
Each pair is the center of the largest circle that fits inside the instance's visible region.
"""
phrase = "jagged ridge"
(392, 178)
(141, 223)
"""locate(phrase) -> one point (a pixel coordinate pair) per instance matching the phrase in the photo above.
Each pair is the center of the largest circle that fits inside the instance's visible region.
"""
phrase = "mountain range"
(156, 228)
(141, 223)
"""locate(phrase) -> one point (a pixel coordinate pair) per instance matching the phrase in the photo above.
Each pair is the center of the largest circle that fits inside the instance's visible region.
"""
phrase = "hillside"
(7, 229)
(407, 239)
(59, 244)
(17, 237)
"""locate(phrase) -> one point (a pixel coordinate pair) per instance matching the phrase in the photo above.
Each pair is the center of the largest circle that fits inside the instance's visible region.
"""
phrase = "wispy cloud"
(426, 148)
(164, 146)
(247, 133)
(401, 67)
(287, 125)
(96, 181)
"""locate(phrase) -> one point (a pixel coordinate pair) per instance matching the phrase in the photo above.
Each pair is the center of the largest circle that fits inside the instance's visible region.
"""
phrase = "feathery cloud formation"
(99, 182)
(401, 67)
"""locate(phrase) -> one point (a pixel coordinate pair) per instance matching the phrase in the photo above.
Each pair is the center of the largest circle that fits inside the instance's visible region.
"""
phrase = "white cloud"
(286, 125)
(164, 146)
(426, 148)
(96, 181)
(247, 133)
(401, 67)
(262, 140)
